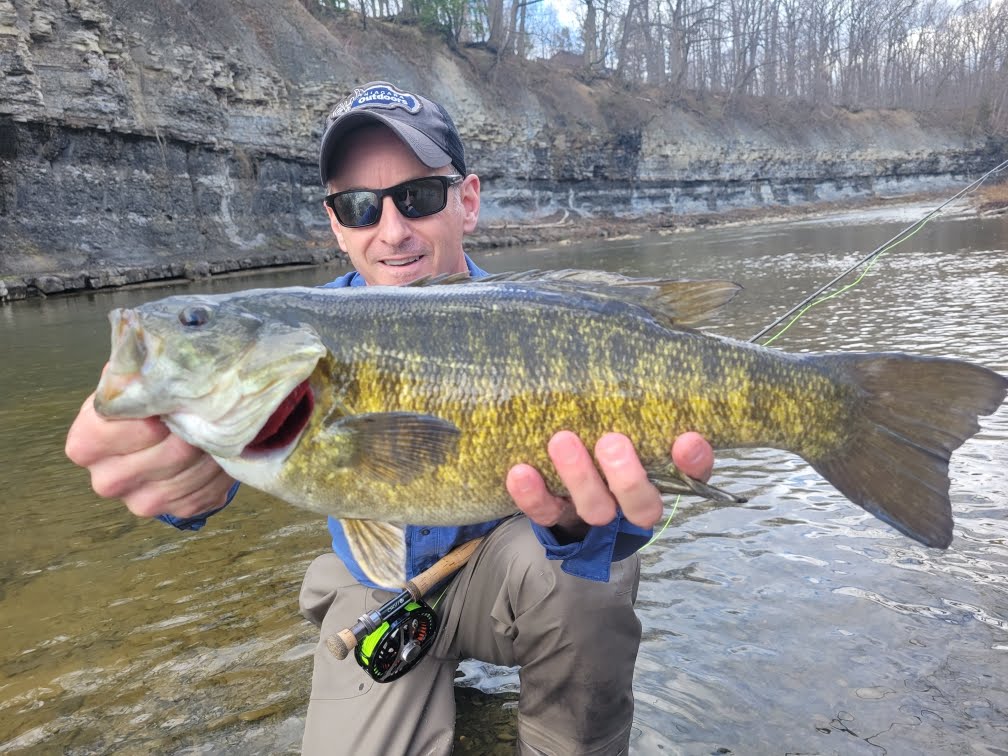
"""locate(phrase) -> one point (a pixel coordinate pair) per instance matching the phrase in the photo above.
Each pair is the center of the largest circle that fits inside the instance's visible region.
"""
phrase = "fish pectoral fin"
(397, 447)
(380, 550)
(671, 480)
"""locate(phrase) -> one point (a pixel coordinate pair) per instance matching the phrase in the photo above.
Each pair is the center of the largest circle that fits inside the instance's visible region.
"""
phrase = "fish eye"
(194, 316)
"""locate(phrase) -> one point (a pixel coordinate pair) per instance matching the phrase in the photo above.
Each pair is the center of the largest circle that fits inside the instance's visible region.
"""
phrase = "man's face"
(396, 249)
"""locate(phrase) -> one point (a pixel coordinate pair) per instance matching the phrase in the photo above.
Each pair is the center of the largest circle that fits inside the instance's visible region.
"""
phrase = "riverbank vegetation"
(993, 198)
(925, 55)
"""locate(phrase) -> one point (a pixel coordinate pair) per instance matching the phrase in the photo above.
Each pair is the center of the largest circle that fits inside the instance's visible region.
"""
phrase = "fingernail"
(610, 447)
(564, 448)
(695, 457)
(522, 484)
(521, 480)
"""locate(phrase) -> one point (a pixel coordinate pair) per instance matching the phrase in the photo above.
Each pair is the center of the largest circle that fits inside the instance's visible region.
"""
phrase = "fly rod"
(812, 299)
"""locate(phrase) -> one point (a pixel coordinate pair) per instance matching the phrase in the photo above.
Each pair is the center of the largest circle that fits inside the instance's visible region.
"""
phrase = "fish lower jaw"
(260, 470)
(196, 431)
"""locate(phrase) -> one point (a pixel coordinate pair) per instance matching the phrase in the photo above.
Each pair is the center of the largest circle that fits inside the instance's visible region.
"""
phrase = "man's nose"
(392, 226)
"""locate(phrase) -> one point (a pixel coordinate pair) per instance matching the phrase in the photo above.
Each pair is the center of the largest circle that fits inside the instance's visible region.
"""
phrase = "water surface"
(794, 623)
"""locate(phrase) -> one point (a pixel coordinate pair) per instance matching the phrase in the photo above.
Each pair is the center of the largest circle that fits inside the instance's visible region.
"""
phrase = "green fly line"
(668, 521)
(870, 263)
(867, 261)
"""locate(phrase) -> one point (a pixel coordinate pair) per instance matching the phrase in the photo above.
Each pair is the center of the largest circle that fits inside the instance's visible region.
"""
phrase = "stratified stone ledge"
(24, 287)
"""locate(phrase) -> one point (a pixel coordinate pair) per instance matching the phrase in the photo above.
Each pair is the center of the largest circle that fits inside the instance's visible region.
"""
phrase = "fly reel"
(389, 641)
(399, 643)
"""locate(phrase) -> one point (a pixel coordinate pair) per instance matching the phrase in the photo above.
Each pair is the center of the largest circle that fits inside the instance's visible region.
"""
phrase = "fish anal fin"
(379, 549)
(671, 480)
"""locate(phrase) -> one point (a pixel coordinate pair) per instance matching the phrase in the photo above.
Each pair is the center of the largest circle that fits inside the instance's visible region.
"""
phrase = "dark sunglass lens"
(429, 196)
(403, 196)
(357, 208)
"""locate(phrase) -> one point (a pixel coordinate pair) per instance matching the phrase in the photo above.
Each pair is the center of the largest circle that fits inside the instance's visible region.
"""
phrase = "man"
(552, 591)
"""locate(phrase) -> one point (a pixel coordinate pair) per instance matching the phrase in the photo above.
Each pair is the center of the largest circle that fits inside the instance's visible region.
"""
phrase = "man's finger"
(199, 488)
(693, 455)
(591, 496)
(627, 480)
(118, 476)
(531, 496)
(92, 437)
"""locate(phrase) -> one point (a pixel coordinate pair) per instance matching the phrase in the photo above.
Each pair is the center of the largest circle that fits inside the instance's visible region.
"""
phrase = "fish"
(383, 406)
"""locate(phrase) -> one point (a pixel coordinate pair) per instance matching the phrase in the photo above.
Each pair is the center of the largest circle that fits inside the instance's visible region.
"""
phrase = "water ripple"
(793, 623)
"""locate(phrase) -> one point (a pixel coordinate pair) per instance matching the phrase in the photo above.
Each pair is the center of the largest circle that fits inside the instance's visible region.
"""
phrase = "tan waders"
(576, 641)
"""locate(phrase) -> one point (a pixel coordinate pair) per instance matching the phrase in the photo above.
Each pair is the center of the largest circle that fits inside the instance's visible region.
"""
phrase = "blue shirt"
(589, 558)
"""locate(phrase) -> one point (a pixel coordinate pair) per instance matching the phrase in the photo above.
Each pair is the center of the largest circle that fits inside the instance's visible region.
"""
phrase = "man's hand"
(142, 463)
(593, 500)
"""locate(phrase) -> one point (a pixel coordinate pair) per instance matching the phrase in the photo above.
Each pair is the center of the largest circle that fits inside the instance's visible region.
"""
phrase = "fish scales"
(383, 406)
(591, 372)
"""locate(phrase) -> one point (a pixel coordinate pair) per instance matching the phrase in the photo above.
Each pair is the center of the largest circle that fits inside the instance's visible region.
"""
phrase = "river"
(795, 623)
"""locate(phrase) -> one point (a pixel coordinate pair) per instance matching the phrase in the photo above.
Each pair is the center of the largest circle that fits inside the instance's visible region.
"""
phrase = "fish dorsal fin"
(443, 278)
(396, 447)
(673, 302)
(679, 303)
(380, 550)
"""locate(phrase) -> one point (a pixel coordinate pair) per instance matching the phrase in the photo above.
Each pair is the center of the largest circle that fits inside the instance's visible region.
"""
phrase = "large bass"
(391, 405)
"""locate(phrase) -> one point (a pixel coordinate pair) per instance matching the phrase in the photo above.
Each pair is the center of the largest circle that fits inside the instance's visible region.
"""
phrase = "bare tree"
(927, 54)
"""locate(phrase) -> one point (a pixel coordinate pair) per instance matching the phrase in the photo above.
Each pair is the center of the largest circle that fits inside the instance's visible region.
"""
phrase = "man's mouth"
(403, 261)
(286, 422)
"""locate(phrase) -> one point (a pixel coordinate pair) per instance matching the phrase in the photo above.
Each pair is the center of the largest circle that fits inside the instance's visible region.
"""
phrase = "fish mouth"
(285, 424)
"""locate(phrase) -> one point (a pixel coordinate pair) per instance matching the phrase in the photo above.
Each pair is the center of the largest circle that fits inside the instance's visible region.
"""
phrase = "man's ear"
(470, 202)
(337, 229)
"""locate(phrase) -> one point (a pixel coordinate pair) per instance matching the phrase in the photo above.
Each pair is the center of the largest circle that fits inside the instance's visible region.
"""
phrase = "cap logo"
(377, 96)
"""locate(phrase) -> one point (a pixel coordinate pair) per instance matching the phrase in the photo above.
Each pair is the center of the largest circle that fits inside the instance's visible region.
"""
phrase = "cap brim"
(423, 147)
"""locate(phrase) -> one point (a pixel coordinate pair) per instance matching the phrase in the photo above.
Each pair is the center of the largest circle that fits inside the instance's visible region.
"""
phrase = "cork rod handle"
(447, 565)
(342, 643)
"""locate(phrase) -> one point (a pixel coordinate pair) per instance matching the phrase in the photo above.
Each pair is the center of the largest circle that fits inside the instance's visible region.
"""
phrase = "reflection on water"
(793, 623)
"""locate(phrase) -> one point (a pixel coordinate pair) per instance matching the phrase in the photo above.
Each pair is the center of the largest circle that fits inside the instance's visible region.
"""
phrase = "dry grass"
(993, 198)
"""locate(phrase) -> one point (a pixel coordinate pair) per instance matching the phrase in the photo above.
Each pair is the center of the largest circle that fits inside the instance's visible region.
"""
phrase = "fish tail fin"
(916, 412)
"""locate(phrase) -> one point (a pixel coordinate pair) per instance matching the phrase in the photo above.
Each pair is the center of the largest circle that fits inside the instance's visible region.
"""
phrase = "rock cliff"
(147, 139)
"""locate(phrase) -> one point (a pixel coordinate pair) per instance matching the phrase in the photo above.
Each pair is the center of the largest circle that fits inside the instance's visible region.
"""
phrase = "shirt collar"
(474, 270)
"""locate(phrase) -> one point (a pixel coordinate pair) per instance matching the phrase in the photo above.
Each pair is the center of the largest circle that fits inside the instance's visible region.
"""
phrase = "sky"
(565, 10)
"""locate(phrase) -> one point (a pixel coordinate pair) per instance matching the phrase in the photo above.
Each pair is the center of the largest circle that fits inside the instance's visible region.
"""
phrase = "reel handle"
(342, 643)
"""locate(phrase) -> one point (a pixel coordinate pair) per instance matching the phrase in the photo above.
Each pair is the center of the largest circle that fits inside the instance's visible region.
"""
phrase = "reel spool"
(389, 641)
(399, 643)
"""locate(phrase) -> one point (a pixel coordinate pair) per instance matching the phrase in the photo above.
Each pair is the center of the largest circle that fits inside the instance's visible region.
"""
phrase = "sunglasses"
(416, 198)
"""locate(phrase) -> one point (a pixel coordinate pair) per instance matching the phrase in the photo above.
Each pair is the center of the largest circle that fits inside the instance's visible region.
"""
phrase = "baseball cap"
(423, 125)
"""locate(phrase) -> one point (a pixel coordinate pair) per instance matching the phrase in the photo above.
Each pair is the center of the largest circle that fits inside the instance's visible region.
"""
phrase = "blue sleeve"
(197, 522)
(603, 545)
(353, 278)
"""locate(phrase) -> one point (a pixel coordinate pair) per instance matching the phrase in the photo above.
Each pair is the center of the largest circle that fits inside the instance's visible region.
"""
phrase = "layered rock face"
(135, 134)
(144, 136)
